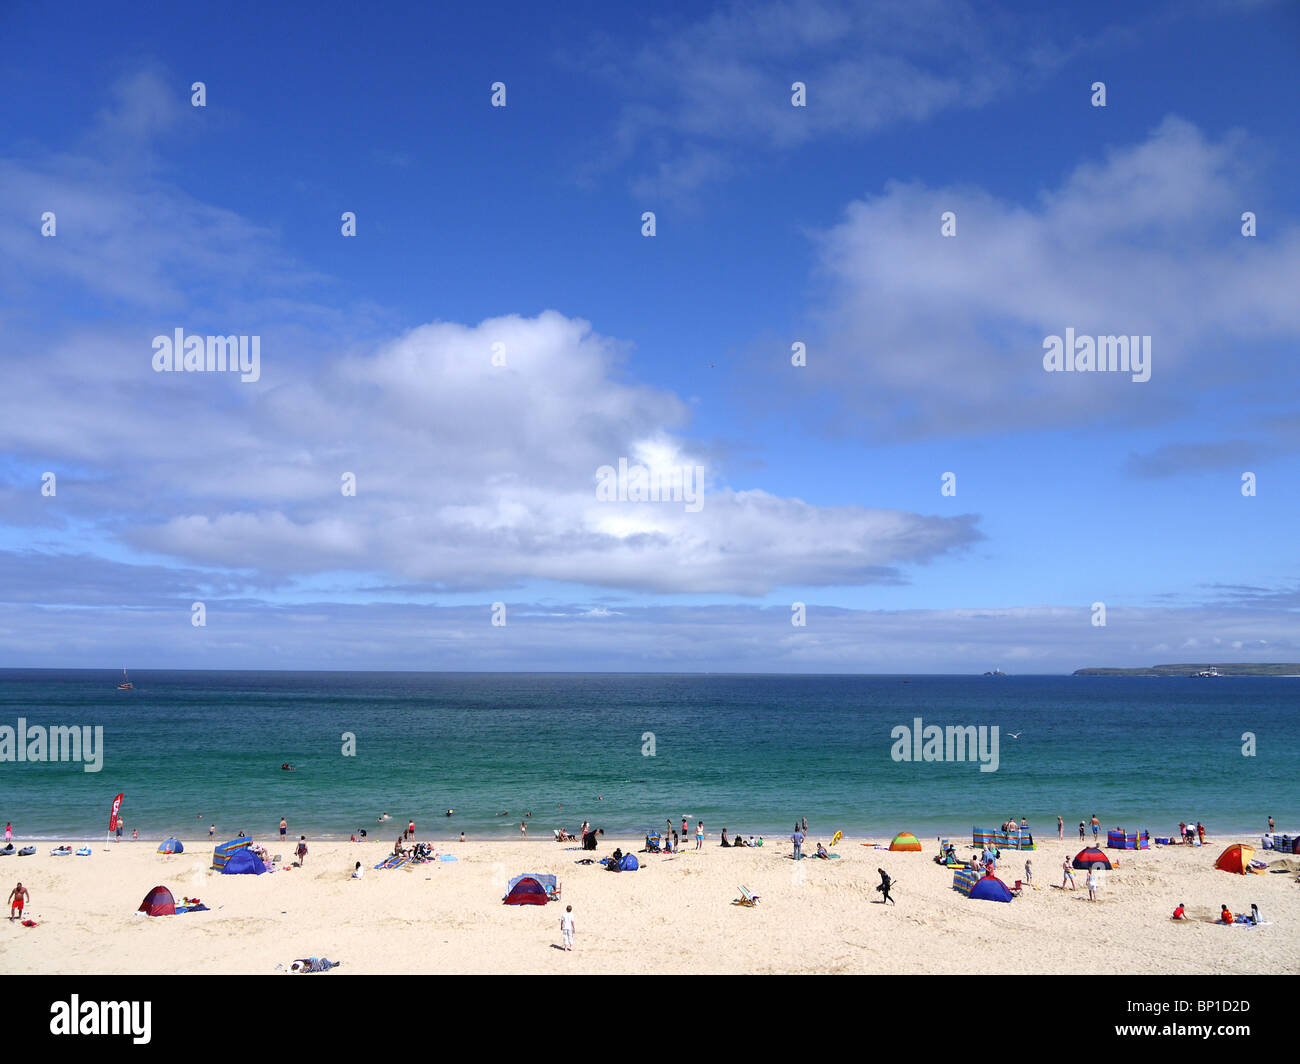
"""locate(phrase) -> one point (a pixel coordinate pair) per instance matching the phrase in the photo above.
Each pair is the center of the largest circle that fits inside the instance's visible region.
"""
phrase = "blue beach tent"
(171, 846)
(243, 862)
(990, 888)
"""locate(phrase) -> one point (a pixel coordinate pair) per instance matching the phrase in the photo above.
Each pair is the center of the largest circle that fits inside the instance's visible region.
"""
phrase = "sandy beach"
(673, 916)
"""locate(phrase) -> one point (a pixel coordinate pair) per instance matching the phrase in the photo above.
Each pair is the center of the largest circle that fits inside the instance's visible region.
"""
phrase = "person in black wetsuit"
(885, 883)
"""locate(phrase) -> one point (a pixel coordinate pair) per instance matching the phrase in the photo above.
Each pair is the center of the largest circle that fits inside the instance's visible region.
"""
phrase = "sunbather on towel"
(822, 852)
(308, 965)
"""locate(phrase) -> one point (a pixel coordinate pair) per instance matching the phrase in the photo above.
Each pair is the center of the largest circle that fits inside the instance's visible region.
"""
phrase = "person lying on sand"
(308, 965)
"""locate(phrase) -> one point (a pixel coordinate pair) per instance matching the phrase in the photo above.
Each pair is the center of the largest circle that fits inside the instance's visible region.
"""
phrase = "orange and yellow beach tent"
(907, 842)
(1236, 859)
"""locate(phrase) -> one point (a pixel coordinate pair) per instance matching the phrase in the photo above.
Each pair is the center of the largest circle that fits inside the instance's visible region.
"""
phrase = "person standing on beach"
(1096, 827)
(1060, 828)
(17, 897)
(797, 838)
(284, 828)
(1092, 884)
(699, 835)
(301, 851)
(1029, 874)
(1200, 831)
(9, 830)
(523, 830)
(212, 830)
(410, 829)
(885, 883)
(566, 927)
(1270, 829)
(120, 825)
(1080, 830)
(1069, 874)
(135, 834)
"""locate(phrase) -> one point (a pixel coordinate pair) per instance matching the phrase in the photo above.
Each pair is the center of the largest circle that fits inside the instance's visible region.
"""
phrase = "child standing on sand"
(699, 835)
(1069, 875)
(1029, 874)
(1092, 885)
(566, 927)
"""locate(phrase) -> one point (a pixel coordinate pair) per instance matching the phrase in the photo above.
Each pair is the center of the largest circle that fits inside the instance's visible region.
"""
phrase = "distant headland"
(1205, 671)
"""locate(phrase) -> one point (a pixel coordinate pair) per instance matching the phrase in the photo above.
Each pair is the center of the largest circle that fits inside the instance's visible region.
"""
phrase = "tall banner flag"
(112, 817)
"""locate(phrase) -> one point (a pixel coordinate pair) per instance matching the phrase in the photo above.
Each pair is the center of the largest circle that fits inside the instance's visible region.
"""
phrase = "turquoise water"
(750, 753)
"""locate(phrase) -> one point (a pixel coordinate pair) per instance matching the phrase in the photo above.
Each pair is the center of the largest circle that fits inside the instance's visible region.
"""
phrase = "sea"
(194, 750)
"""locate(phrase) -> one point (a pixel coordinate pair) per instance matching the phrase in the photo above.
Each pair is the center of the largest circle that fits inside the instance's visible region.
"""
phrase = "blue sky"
(521, 225)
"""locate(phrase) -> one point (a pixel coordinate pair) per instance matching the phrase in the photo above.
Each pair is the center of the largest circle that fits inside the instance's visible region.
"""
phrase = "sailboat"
(125, 685)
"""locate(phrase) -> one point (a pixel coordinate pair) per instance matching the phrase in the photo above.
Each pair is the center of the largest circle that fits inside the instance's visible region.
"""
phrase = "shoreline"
(712, 837)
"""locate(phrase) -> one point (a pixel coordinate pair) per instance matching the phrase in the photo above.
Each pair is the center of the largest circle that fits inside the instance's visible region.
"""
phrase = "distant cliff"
(1247, 669)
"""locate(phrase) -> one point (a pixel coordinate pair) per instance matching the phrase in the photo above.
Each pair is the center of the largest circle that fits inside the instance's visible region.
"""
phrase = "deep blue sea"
(749, 753)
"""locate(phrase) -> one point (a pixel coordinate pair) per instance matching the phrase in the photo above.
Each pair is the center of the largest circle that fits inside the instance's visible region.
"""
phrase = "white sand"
(675, 915)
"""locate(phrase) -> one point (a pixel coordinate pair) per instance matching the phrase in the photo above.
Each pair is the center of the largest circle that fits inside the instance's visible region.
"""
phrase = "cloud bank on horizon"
(401, 461)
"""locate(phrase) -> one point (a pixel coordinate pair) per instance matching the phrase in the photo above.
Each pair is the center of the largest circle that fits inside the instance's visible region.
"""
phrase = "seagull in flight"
(1015, 735)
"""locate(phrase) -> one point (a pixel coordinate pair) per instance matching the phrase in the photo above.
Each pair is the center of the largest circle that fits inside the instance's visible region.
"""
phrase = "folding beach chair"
(746, 898)
(1017, 888)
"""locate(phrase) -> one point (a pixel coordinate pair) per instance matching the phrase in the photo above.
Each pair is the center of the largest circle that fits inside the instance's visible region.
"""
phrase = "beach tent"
(243, 862)
(906, 842)
(990, 888)
(1130, 840)
(528, 890)
(159, 902)
(171, 846)
(1236, 859)
(223, 852)
(1091, 857)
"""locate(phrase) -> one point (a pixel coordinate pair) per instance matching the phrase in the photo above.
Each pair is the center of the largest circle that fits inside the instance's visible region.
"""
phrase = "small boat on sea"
(125, 685)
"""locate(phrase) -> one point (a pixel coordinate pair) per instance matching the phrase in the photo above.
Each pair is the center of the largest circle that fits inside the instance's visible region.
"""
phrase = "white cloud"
(926, 334)
(468, 475)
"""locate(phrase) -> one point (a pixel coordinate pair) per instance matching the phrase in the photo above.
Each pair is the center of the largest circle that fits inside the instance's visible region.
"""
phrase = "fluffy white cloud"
(468, 474)
(925, 334)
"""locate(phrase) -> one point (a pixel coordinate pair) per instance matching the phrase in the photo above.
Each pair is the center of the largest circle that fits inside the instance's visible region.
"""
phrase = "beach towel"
(447, 857)
(84, 852)
(200, 908)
